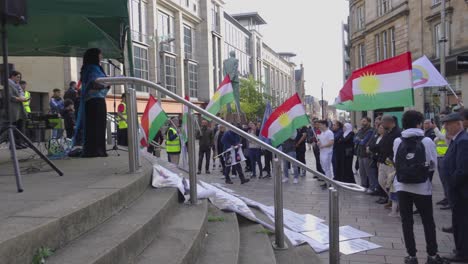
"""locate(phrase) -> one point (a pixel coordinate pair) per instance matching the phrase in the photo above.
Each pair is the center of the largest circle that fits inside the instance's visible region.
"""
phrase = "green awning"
(66, 28)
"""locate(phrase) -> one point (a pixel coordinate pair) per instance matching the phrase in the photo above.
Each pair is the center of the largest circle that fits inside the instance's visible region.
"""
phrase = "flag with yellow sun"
(223, 95)
(285, 120)
(385, 84)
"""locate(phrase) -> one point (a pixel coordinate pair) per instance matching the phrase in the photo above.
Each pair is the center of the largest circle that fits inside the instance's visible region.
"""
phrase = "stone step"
(61, 221)
(125, 235)
(255, 246)
(221, 244)
(180, 238)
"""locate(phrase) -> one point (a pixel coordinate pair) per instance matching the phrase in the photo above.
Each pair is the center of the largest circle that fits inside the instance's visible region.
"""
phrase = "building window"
(361, 55)
(392, 42)
(192, 79)
(438, 38)
(384, 39)
(383, 7)
(188, 42)
(170, 73)
(360, 17)
(214, 18)
(138, 21)
(187, 3)
(166, 32)
(141, 65)
(377, 48)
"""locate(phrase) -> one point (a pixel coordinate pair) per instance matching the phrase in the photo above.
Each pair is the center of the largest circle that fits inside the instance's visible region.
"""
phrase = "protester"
(56, 102)
(158, 139)
(373, 148)
(456, 171)
(205, 138)
(218, 146)
(310, 137)
(414, 158)
(173, 144)
(122, 131)
(345, 158)
(289, 148)
(367, 172)
(27, 95)
(93, 113)
(442, 143)
(255, 153)
(429, 129)
(72, 94)
(315, 147)
(231, 140)
(16, 110)
(68, 115)
(244, 143)
(464, 114)
(325, 143)
(338, 149)
(301, 148)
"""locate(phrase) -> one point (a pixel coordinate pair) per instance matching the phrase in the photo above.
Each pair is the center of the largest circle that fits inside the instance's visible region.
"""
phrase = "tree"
(251, 100)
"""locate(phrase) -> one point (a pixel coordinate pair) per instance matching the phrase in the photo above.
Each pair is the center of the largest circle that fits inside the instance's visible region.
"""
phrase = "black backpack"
(410, 161)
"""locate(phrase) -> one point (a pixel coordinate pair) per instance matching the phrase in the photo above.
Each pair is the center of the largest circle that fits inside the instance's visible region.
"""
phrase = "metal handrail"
(240, 132)
(278, 191)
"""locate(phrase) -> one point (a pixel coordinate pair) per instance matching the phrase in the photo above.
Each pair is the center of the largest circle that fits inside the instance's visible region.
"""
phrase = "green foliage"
(251, 100)
(215, 219)
(41, 255)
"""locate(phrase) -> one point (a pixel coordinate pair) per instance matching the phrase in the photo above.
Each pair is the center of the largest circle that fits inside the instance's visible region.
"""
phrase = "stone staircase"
(123, 220)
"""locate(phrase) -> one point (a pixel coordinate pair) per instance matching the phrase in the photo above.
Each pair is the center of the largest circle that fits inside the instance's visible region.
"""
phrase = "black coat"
(456, 168)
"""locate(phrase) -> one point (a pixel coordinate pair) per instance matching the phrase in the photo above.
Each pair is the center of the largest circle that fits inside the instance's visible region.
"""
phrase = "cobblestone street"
(357, 210)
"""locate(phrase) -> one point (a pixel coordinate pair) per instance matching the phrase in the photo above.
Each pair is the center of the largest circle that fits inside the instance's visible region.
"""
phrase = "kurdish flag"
(285, 120)
(184, 135)
(384, 84)
(223, 95)
(152, 120)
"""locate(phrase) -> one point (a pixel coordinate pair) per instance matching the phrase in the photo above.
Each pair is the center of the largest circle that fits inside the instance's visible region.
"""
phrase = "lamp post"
(442, 40)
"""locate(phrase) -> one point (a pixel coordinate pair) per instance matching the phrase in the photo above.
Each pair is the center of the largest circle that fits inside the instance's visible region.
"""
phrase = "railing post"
(110, 138)
(334, 225)
(278, 193)
(132, 130)
(191, 157)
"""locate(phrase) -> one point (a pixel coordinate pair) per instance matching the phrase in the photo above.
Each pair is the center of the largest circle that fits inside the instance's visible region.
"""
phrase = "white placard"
(346, 233)
(356, 245)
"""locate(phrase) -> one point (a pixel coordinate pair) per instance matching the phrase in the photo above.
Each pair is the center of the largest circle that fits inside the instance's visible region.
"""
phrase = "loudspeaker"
(14, 11)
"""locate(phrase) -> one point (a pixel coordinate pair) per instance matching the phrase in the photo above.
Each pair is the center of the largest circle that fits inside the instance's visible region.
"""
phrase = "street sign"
(462, 62)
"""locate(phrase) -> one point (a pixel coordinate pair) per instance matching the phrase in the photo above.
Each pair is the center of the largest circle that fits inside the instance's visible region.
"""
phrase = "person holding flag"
(268, 156)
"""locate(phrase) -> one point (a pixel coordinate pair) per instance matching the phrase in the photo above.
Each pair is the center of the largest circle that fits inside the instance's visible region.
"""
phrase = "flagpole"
(442, 40)
(323, 109)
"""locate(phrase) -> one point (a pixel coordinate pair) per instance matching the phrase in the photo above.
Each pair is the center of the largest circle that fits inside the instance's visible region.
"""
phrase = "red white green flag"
(152, 120)
(184, 134)
(282, 123)
(384, 84)
(224, 95)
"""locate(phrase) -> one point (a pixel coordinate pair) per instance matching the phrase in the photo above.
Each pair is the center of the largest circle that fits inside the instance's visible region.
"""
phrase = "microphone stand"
(115, 148)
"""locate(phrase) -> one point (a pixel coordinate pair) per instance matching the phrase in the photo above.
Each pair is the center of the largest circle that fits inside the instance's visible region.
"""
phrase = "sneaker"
(229, 182)
(267, 176)
(295, 181)
(394, 214)
(411, 260)
(198, 172)
(436, 260)
(207, 172)
(245, 181)
(285, 180)
(442, 202)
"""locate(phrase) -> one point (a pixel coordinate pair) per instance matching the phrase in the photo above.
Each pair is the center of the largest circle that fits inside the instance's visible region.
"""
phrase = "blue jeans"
(286, 163)
(255, 155)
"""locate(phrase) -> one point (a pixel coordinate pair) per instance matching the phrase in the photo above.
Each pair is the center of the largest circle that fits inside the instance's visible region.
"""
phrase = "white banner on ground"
(346, 233)
(356, 245)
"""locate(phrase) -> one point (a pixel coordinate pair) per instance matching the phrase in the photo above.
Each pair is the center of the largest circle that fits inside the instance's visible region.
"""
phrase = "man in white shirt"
(325, 143)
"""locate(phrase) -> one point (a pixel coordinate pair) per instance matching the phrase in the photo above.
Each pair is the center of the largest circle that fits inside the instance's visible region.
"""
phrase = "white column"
(179, 50)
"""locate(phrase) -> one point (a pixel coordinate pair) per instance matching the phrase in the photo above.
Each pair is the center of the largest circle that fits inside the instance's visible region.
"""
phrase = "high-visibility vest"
(172, 146)
(441, 145)
(123, 123)
(27, 104)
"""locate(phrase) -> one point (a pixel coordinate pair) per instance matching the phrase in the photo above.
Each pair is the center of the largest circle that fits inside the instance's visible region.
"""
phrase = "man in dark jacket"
(366, 170)
(231, 140)
(456, 169)
(429, 129)
(205, 137)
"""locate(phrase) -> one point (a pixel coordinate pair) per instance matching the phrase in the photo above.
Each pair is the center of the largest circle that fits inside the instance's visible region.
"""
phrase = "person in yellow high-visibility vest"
(173, 146)
(122, 131)
(27, 96)
(442, 143)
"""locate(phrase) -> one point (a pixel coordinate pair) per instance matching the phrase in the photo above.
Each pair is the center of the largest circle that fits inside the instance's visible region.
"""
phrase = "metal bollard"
(334, 226)
(132, 131)
(191, 157)
(279, 223)
(110, 139)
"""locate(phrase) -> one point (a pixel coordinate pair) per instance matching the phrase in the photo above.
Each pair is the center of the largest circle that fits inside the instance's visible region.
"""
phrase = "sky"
(309, 28)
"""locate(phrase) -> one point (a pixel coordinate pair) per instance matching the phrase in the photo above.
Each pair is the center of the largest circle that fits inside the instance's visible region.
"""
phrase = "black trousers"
(300, 156)
(460, 225)
(207, 153)
(317, 159)
(236, 169)
(20, 125)
(122, 137)
(95, 128)
(268, 158)
(223, 163)
(424, 206)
